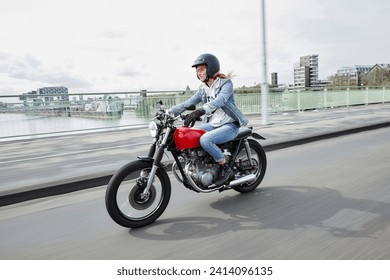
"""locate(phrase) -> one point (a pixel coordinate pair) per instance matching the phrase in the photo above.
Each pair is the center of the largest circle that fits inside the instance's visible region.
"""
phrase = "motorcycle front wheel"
(125, 201)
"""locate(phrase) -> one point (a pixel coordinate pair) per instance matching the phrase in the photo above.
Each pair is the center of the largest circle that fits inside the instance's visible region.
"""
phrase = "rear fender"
(257, 136)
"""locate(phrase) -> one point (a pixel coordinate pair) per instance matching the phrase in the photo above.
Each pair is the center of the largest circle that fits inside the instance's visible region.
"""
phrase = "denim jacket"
(224, 99)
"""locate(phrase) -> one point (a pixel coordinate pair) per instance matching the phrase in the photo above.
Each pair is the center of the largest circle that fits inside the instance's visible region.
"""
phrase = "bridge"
(324, 196)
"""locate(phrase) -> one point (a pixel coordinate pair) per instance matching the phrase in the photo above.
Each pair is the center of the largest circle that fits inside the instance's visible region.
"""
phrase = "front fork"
(157, 157)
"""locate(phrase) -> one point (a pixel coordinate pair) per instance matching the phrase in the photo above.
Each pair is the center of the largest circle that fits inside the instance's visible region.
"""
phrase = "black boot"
(224, 174)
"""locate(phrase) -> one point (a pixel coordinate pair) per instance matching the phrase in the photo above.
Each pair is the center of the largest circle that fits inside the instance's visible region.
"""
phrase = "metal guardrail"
(140, 107)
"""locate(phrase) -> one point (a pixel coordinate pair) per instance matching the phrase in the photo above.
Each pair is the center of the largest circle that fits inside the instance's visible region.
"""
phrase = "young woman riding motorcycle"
(222, 117)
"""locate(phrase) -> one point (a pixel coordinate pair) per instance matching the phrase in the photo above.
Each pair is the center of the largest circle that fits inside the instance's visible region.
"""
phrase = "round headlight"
(153, 128)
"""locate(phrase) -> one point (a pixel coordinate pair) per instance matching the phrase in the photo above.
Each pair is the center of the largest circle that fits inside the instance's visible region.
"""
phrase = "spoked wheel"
(126, 202)
(258, 167)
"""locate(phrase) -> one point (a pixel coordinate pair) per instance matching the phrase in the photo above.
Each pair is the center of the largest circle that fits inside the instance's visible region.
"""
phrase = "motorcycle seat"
(243, 132)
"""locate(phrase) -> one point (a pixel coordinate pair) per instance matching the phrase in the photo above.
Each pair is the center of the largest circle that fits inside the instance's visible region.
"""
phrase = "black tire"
(123, 201)
(259, 159)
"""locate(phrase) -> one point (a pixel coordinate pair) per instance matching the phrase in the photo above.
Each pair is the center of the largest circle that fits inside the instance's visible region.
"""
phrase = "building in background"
(53, 93)
(301, 76)
(350, 76)
(274, 79)
(311, 61)
(354, 69)
(45, 96)
(306, 72)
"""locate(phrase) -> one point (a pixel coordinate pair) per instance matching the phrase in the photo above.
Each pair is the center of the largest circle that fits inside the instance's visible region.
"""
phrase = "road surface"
(324, 200)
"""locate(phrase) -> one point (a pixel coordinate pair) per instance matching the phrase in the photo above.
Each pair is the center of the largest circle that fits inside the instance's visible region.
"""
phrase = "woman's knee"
(205, 139)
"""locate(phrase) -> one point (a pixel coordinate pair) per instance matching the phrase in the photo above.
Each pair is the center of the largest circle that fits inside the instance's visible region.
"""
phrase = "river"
(20, 125)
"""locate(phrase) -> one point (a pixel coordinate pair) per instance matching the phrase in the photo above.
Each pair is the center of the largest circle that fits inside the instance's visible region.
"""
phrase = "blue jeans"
(217, 135)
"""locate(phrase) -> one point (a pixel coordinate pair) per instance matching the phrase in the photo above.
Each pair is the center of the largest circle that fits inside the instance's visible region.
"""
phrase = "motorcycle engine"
(201, 168)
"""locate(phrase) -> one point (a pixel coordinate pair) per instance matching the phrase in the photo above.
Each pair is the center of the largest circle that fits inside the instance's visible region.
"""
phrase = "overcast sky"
(124, 45)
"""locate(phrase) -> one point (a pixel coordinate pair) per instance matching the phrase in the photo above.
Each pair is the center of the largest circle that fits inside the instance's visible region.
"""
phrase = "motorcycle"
(139, 192)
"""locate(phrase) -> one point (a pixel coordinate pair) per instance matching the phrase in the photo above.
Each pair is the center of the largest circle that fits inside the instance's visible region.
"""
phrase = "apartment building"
(306, 71)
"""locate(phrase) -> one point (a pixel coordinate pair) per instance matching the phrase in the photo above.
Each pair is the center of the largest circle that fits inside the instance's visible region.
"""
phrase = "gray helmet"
(211, 61)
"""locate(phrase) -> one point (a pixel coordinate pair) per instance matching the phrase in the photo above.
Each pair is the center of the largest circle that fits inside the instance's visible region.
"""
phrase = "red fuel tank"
(187, 137)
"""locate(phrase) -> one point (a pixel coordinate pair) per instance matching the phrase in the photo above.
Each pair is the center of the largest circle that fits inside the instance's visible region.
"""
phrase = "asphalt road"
(323, 200)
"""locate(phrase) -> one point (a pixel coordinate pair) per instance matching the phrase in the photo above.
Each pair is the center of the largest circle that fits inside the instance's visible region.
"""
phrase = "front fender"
(145, 158)
(149, 159)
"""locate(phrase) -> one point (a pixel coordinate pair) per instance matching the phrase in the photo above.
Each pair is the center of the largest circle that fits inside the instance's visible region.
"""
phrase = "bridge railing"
(282, 101)
(140, 107)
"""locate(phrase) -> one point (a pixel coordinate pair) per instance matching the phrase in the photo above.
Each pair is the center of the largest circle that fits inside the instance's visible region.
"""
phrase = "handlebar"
(165, 114)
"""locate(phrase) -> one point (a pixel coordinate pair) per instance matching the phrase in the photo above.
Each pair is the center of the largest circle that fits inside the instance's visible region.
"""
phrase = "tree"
(377, 77)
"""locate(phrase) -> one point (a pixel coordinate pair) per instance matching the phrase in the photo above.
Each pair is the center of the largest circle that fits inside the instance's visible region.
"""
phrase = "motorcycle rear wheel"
(124, 202)
(259, 160)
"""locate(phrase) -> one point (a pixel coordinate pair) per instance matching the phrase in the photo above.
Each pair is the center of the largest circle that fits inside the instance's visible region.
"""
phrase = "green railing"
(59, 115)
(282, 101)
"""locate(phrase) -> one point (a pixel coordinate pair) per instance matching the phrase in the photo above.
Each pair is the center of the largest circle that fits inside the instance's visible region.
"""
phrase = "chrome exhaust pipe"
(243, 180)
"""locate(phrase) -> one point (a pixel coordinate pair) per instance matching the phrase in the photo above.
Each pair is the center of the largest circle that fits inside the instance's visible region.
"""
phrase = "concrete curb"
(68, 187)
